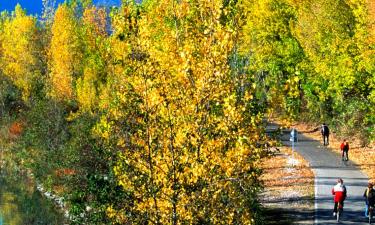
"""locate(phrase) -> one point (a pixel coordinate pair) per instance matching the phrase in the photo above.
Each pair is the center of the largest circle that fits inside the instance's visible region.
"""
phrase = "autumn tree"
(325, 34)
(80, 3)
(274, 53)
(21, 59)
(337, 82)
(312, 59)
(364, 38)
(151, 113)
(65, 54)
(185, 138)
(95, 57)
(48, 10)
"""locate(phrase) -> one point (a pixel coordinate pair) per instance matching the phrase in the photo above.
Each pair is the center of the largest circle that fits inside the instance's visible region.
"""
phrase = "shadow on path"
(288, 217)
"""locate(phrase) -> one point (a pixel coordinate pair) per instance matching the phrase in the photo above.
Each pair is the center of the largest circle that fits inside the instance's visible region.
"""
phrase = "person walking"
(369, 196)
(345, 150)
(339, 193)
(325, 134)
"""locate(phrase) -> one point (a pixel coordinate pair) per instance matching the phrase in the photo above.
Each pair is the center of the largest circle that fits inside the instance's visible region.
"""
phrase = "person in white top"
(339, 193)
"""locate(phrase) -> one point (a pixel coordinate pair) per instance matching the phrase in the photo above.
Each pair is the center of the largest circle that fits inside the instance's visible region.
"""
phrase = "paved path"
(327, 167)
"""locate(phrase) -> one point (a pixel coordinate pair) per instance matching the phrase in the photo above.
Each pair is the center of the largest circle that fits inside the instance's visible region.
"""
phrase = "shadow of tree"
(282, 216)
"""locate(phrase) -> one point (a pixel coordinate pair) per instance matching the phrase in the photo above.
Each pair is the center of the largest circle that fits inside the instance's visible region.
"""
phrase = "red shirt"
(339, 191)
(342, 146)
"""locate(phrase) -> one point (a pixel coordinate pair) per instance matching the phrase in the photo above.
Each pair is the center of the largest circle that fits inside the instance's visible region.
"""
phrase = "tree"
(184, 138)
(364, 37)
(48, 11)
(336, 42)
(95, 57)
(274, 53)
(65, 54)
(21, 59)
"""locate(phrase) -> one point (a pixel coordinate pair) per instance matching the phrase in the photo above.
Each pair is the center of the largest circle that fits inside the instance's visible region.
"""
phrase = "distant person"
(339, 193)
(294, 135)
(325, 134)
(369, 196)
(345, 150)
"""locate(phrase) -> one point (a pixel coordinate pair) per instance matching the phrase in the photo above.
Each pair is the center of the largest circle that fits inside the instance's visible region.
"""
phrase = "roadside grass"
(364, 157)
(6, 139)
(288, 195)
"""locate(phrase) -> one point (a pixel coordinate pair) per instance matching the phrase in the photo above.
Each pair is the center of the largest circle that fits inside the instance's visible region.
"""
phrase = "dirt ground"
(288, 196)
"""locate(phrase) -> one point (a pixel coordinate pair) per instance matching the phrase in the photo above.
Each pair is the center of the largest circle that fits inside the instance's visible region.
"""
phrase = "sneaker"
(334, 214)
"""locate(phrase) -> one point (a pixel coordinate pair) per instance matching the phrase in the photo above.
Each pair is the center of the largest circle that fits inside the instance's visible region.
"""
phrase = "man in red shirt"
(345, 150)
(339, 192)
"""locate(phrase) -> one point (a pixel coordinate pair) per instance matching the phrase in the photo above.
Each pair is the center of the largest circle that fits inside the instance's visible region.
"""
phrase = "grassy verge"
(9, 133)
(289, 189)
(21, 203)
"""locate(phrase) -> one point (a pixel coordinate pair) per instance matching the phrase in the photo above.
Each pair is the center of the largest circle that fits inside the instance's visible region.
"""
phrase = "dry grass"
(362, 156)
(287, 184)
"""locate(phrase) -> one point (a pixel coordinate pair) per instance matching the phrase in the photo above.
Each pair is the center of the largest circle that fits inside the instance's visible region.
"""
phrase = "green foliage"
(274, 52)
(10, 98)
(93, 184)
(44, 138)
(315, 59)
(355, 119)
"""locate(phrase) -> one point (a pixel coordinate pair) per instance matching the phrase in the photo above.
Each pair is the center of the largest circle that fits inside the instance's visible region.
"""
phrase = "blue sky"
(35, 6)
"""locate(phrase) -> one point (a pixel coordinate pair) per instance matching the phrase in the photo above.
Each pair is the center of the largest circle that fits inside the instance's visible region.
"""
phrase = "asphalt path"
(328, 167)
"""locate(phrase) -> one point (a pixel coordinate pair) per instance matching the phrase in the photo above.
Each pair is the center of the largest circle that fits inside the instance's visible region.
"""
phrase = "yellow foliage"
(181, 154)
(65, 54)
(21, 49)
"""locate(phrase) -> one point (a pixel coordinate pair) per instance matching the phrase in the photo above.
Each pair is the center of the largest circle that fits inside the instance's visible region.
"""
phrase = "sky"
(35, 6)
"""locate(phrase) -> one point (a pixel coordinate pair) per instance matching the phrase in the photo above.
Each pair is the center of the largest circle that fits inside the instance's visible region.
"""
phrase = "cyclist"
(345, 150)
(369, 195)
(339, 192)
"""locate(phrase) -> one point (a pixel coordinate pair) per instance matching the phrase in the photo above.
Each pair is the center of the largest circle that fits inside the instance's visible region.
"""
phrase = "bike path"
(328, 167)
